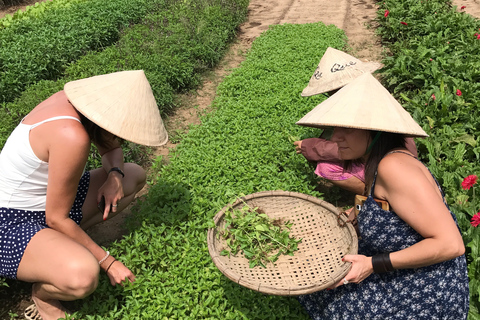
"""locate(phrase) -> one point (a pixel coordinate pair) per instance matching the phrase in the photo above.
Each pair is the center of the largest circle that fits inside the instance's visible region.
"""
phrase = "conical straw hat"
(121, 103)
(363, 104)
(336, 69)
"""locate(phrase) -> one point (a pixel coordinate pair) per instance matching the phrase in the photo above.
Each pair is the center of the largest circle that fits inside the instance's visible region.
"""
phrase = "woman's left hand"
(298, 146)
(112, 190)
(118, 273)
(360, 270)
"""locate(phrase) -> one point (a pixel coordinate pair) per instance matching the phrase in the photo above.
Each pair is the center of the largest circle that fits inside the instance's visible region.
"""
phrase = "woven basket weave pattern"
(315, 266)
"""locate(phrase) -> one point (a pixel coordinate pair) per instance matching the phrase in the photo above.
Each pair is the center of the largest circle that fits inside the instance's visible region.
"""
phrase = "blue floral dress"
(439, 291)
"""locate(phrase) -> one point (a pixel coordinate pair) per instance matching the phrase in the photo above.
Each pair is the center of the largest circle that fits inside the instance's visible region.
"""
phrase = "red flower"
(433, 97)
(475, 220)
(386, 13)
(459, 93)
(478, 36)
(404, 23)
(463, 7)
(469, 181)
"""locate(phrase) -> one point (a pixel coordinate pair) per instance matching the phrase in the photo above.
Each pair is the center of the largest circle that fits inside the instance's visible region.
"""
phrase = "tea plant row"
(33, 11)
(41, 48)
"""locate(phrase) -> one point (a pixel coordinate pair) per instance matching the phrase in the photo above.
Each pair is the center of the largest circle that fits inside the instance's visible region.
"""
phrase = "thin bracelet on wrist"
(108, 268)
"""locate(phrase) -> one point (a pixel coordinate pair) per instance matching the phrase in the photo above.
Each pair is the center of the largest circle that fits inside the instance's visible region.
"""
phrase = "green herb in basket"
(260, 238)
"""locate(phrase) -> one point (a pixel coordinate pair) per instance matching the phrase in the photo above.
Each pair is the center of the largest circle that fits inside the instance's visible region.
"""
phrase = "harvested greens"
(260, 238)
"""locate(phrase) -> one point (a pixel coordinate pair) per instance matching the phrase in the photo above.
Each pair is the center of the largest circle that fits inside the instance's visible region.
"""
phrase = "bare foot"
(48, 309)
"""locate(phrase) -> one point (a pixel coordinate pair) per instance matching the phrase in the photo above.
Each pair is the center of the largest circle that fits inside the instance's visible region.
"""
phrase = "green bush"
(33, 11)
(41, 48)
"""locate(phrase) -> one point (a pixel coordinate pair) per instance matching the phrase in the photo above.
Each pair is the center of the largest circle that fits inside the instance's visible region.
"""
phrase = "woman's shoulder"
(396, 158)
(399, 163)
(56, 122)
(57, 105)
(401, 167)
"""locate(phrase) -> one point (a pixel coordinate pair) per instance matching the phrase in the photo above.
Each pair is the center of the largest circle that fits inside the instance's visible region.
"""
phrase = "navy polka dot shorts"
(17, 227)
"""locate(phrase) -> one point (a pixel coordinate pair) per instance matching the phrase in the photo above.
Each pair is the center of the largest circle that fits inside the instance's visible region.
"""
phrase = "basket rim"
(268, 288)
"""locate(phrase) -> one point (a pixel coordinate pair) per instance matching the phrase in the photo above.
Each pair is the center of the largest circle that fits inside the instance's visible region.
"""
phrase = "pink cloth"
(335, 171)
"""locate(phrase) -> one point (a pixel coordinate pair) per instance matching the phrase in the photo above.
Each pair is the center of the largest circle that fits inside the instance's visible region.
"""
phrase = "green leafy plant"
(40, 48)
(260, 238)
(33, 11)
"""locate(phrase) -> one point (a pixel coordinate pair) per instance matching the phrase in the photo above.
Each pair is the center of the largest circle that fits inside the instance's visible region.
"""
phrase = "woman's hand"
(118, 273)
(360, 270)
(112, 190)
(298, 146)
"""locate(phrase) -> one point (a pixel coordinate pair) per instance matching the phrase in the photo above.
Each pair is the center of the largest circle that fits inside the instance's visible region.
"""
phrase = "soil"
(355, 17)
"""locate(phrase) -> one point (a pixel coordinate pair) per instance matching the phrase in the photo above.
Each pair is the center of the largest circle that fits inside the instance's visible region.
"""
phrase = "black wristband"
(108, 268)
(117, 169)
(381, 263)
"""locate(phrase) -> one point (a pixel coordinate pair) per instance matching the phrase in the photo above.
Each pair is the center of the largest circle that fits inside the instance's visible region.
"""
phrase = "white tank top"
(23, 176)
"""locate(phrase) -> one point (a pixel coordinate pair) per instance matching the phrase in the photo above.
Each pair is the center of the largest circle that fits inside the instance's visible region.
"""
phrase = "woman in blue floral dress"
(411, 262)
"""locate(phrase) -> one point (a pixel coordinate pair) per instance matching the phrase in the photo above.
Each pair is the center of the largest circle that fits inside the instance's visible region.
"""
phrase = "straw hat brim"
(121, 103)
(335, 70)
(363, 104)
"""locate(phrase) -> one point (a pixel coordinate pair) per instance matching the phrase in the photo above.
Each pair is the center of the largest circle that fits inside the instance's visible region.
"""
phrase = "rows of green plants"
(434, 71)
(41, 48)
(34, 11)
(242, 147)
(174, 43)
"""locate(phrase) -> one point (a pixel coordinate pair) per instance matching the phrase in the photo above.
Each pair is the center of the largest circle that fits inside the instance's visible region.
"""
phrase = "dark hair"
(386, 142)
(97, 135)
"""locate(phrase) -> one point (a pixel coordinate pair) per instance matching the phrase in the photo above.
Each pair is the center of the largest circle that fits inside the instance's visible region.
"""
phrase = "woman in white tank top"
(46, 198)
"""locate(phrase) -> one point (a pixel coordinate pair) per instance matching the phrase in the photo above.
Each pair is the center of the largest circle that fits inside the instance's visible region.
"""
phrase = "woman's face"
(352, 143)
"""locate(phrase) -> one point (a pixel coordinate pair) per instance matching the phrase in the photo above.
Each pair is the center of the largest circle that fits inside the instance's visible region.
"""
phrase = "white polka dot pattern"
(17, 227)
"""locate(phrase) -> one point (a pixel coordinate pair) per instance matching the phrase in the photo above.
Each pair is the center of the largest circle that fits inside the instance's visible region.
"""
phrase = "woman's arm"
(68, 153)
(112, 189)
(415, 198)
(318, 149)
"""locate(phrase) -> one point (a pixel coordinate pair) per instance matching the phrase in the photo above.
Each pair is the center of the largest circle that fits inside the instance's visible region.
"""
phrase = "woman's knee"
(82, 278)
(136, 174)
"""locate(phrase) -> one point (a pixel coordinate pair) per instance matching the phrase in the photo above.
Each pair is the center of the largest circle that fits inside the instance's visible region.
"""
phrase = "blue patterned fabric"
(17, 227)
(438, 291)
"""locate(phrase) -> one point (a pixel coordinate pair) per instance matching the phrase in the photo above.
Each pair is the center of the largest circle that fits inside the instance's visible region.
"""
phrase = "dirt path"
(471, 6)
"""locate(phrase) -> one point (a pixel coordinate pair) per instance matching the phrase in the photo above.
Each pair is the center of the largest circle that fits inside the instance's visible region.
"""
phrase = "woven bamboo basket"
(317, 264)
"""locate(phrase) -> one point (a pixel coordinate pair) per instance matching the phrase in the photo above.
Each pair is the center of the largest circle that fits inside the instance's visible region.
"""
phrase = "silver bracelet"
(104, 258)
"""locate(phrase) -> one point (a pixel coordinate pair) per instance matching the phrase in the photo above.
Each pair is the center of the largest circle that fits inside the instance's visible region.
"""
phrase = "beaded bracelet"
(381, 263)
(104, 258)
(108, 268)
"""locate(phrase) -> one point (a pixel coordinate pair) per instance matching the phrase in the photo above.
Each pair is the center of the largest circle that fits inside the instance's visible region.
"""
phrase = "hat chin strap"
(373, 142)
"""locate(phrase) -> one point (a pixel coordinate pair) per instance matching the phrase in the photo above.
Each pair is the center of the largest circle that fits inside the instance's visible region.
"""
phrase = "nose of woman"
(338, 134)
